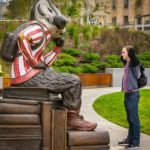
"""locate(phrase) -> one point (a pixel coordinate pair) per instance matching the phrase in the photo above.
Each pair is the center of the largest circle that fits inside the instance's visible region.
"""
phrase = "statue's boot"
(76, 122)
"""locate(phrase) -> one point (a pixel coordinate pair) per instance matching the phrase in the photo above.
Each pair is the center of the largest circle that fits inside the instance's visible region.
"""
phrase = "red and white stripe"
(22, 67)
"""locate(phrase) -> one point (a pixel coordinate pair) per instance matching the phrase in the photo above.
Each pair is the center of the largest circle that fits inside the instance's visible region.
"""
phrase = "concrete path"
(116, 132)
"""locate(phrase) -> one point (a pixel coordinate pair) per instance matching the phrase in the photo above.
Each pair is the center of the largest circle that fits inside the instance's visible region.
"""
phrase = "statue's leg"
(70, 88)
(67, 84)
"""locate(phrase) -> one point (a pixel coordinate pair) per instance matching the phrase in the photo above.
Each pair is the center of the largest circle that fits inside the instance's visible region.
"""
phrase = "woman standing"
(131, 96)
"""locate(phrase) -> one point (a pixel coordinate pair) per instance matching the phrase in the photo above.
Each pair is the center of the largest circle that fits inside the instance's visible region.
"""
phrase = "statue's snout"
(60, 22)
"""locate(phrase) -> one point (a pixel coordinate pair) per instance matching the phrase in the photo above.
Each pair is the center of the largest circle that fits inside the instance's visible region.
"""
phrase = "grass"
(111, 107)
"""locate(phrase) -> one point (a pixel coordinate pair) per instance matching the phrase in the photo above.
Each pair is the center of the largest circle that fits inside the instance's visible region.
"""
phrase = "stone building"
(128, 12)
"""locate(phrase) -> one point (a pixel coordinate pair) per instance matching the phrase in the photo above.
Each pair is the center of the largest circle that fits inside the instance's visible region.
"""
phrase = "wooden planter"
(97, 79)
(6, 82)
(87, 79)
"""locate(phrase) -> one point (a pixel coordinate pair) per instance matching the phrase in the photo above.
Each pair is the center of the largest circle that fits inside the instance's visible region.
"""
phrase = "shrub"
(71, 51)
(68, 69)
(87, 32)
(70, 30)
(110, 41)
(116, 28)
(101, 65)
(1, 35)
(144, 56)
(76, 39)
(65, 59)
(87, 68)
(146, 64)
(116, 65)
(95, 31)
(112, 59)
(90, 57)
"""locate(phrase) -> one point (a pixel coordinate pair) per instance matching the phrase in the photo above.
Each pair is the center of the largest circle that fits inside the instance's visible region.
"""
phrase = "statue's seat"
(34, 117)
(37, 113)
(30, 93)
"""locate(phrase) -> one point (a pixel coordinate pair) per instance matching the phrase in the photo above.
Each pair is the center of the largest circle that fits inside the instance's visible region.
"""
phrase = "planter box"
(97, 79)
(6, 82)
(117, 74)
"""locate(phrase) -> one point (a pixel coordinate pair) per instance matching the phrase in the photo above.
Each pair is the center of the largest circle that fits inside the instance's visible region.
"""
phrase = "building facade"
(128, 12)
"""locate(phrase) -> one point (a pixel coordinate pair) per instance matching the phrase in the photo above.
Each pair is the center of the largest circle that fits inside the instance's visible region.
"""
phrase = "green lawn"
(111, 107)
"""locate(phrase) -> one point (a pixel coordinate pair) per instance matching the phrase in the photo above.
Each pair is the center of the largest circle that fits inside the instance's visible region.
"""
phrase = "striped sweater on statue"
(31, 43)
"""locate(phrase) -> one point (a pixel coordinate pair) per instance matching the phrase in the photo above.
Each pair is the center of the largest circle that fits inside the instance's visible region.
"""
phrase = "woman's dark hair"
(134, 61)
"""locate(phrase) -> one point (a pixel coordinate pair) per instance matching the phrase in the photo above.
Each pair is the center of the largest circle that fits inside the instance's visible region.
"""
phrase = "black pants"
(67, 84)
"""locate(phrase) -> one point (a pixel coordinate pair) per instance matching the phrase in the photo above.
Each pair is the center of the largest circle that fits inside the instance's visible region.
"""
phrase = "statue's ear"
(56, 10)
(44, 10)
(40, 10)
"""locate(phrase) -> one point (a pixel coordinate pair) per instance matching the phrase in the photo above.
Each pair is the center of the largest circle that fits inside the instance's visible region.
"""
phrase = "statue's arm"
(25, 39)
(52, 55)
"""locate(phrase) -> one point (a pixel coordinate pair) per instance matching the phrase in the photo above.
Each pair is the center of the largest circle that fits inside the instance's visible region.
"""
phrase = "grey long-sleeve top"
(131, 80)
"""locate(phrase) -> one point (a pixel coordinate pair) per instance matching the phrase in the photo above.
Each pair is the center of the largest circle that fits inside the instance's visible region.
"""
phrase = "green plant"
(112, 59)
(146, 64)
(68, 69)
(116, 28)
(101, 65)
(76, 39)
(90, 57)
(72, 51)
(6, 66)
(1, 35)
(70, 30)
(95, 31)
(65, 59)
(87, 32)
(144, 56)
(87, 68)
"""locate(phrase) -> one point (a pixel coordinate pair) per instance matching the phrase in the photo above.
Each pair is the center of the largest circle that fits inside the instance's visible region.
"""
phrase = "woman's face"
(124, 54)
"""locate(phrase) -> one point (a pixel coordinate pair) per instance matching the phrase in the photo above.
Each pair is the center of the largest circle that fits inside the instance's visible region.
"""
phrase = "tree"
(70, 8)
(19, 8)
(93, 9)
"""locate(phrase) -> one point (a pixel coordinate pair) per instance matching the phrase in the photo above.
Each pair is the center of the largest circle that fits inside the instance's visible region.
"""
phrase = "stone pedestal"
(88, 140)
(34, 119)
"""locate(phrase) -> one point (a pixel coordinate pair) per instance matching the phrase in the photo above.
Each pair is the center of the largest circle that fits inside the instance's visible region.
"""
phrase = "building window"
(113, 4)
(139, 20)
(126, 20)
(114, 20)
(126, 3)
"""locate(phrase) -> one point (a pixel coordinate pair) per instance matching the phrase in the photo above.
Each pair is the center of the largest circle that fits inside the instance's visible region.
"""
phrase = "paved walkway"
(116, 132)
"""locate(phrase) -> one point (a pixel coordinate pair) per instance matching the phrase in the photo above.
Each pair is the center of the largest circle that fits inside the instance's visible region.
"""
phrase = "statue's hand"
(59, 41)
(40, 65)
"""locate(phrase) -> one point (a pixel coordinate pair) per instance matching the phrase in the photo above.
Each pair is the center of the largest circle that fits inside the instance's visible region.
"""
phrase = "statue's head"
(45, 12)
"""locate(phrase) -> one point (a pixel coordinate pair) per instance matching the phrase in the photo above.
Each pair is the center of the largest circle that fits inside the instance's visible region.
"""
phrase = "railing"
(16, 20)
(137, 26)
